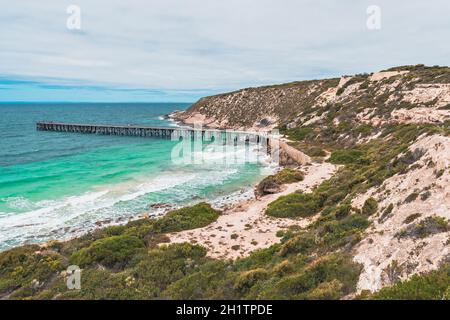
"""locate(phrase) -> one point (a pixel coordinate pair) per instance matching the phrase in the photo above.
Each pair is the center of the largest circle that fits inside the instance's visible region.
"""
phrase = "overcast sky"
(180, 50)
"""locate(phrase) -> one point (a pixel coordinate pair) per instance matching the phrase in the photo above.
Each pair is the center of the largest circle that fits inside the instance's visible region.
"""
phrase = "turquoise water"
(59, 185)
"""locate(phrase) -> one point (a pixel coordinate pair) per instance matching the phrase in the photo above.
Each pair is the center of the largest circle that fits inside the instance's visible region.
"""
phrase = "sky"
(181, 50)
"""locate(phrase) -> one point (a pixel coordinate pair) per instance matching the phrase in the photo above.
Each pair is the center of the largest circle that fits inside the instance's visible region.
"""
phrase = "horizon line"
(111, 102)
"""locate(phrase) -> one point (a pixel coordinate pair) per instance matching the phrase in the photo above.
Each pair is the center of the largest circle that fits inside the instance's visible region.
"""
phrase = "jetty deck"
(159, 132)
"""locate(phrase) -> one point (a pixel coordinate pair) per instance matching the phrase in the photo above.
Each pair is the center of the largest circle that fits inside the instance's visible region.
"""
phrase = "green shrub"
(95, 284)
(424, 228)
(331, 290)
(258, 258)
(431, 286)
(299, 133)
(307, 282)
(342, 211)
(151, 230)
(197, 216)
(351, 156)
(165, 265)
(364, 129)
(346, 231)
(439, 173)
(413, 196)
(370, 207)
(288, 175)
(302, 243)
(294, 205)
(315, 152)
(424, 196)
(387, 212)
(211, 281)
(411, 218)
(114, 252)
(247, 279)
(26, 267)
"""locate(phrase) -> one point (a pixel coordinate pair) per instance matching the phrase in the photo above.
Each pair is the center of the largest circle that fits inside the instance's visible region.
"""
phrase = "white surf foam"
(53, 217)
(74, 215)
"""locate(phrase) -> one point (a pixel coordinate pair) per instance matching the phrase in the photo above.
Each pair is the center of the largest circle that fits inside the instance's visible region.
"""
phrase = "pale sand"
(248, 221)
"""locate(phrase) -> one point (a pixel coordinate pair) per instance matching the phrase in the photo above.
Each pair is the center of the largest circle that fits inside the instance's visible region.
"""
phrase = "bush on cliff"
(212, 280)
(299, 133)
(434, 285)
(197, 216)
(27, 267)
(370, 207)
(351, 156)
(315, 277)
(113, 252)
(165, 265)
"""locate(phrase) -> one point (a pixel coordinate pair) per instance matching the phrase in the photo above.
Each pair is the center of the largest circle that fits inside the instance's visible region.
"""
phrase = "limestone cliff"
(402, 95)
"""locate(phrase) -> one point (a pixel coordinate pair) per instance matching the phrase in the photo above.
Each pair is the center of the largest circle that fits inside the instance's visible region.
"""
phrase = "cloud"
(210, 46)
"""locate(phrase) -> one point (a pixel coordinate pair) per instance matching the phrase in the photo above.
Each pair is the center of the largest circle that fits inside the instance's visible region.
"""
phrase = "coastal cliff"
(410, 94)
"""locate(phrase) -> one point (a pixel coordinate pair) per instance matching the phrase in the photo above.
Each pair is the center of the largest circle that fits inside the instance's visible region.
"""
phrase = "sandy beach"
(245, 227)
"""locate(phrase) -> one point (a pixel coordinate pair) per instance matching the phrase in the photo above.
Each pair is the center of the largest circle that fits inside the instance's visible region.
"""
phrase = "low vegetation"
(295, 205)
(431, 286)
(135, 261)
(425, 228)
(370, 207)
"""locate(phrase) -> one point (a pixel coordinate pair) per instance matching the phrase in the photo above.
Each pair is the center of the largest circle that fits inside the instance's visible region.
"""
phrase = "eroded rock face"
(267, 186)
(420, 115)
(411, 205)
(377, 76)
(290, 156)
(436, 94)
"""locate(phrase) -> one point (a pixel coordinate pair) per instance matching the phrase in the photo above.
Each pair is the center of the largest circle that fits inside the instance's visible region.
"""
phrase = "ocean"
(55, 186)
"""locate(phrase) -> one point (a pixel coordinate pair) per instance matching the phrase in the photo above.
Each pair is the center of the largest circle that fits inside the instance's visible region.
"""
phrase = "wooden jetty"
(271, 143)
(174, 133)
